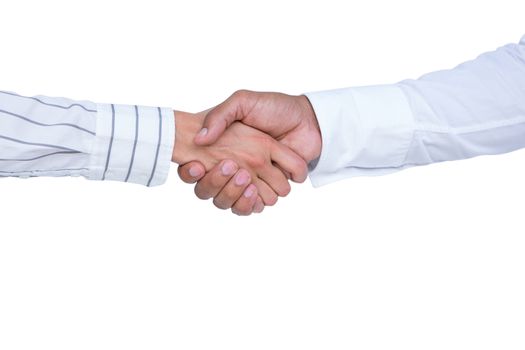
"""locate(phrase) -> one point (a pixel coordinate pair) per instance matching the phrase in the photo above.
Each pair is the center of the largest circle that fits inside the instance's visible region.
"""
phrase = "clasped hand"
(243, 152)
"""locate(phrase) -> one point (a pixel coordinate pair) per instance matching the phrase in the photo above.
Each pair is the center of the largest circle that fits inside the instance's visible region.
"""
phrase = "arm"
(49, 136)
(477, 108)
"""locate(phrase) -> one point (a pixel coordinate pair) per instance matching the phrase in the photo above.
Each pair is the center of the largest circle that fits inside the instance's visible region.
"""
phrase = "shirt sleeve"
(476, 108)
(53, 136)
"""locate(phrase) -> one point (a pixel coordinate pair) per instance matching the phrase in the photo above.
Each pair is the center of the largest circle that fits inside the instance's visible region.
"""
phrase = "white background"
(427, 258)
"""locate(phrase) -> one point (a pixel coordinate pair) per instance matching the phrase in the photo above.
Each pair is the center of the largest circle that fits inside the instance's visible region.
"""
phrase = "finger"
(213, 182)
(191, 172)
(268, 196)
(259, 205)
(221, 117)
(245, 204)
(275, 179)
(233, 190)
(289, 161)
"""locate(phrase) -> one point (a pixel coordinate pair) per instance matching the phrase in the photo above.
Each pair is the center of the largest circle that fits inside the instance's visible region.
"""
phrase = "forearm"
(49, 136)
(474, 109)
(478, 108)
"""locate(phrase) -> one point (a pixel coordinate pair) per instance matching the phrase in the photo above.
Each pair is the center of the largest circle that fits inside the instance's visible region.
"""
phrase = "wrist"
(187, 125)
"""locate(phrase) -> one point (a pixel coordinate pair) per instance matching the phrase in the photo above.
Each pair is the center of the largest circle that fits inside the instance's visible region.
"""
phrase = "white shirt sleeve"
(53, 136)
(477, 108)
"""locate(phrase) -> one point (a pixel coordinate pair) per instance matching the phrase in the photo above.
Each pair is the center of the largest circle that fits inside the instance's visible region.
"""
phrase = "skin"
(289, 119)
(247, 164)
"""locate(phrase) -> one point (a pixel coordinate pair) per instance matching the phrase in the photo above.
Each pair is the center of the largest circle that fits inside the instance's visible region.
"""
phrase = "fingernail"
(203, 132)
(195, 171)
(228, 168)
(249, 191)
(242, 178)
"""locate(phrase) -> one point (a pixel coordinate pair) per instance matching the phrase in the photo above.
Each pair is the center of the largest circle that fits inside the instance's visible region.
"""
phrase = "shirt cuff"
(132, 144)
(365, 131)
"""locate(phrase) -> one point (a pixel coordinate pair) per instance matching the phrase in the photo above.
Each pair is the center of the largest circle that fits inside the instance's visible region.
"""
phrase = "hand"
(289, 119)
(251, 149)
(218, 184)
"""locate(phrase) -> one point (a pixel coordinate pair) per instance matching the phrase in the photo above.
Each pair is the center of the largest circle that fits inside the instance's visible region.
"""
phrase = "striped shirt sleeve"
(53, 136)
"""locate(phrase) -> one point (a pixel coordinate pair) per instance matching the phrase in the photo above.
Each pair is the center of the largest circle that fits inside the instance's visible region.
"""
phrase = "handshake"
(243, 152)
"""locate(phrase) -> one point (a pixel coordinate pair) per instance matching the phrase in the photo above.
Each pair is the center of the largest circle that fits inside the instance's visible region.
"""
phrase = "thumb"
(221, 117)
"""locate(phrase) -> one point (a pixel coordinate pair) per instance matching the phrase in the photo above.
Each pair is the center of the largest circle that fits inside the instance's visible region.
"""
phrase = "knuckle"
(241, 94)
(217, 181)
(267, 141)
(229, 197)
(257, 162)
